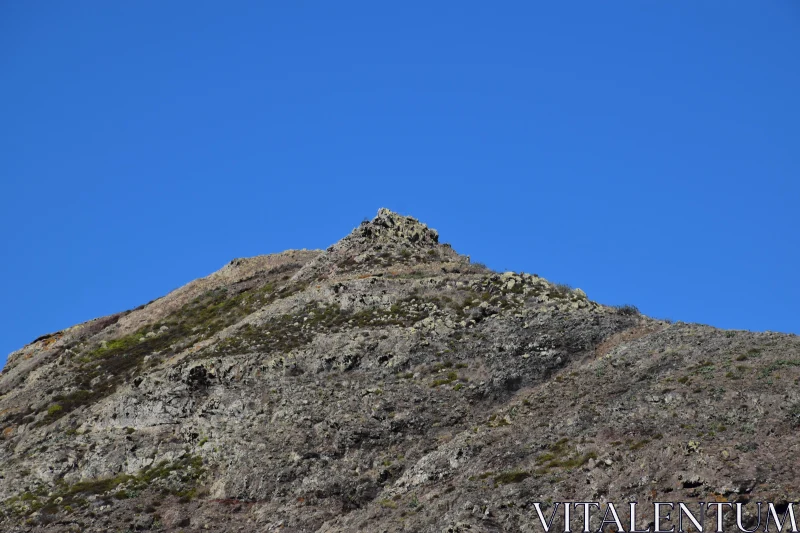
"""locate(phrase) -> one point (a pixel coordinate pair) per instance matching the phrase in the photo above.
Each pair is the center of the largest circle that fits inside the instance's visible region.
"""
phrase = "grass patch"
(561, 455)
(388, 504)
(101, 369)
(450, 378)
(560, 291)
(772, 367)
(179, 478)
(511, 476)
(286, 332)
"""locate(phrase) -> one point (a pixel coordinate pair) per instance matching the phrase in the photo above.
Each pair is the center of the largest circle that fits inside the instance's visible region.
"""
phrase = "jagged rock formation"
(385, 384)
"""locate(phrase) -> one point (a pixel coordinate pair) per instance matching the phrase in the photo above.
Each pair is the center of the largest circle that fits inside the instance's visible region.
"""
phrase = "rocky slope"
(385, 384)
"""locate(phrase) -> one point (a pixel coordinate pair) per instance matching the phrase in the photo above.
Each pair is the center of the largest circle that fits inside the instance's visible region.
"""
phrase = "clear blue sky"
(647, 152)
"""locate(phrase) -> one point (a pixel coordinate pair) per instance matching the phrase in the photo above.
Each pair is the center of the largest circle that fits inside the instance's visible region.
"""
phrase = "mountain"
(387, 384)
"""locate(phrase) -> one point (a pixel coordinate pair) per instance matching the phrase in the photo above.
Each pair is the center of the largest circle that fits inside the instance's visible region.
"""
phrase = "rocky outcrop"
(389, 227)
(385, 384)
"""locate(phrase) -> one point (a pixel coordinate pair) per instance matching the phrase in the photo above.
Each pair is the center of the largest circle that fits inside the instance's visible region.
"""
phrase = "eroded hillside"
(385, 384)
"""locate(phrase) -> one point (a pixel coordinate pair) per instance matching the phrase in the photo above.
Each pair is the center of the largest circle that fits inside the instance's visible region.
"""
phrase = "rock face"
(385, 384)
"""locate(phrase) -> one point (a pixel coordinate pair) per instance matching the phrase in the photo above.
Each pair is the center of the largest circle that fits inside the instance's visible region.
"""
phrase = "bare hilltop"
(386, 384)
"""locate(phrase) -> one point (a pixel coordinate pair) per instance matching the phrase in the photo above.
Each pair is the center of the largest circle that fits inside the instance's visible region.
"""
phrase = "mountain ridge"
(386, 383)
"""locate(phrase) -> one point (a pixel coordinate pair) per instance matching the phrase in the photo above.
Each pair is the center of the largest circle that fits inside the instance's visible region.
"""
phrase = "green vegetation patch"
(561, 455)
(104, 367)
(511, 476)
(179, 478)
(286, 332)
(449, 378)
(389, 255)
(772, 367)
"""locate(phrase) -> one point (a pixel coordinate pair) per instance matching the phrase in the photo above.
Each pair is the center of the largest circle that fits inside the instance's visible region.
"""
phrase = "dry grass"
(632, 334)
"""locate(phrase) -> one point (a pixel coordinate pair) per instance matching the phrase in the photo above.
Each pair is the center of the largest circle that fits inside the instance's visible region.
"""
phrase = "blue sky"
(647, 152)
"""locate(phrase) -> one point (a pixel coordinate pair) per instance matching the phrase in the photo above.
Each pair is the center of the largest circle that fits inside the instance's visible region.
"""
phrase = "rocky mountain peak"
(390, 242)
(391, 227)
(385, 384)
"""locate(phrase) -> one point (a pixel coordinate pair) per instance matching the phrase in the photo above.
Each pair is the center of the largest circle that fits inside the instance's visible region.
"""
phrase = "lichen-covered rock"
(385, 384)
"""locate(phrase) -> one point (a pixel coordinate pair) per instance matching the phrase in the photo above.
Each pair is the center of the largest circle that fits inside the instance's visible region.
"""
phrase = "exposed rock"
(385, 384)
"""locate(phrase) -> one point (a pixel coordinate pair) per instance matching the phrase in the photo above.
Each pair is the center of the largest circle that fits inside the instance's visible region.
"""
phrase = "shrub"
(627, 310)
(560, 290)
(451, 377)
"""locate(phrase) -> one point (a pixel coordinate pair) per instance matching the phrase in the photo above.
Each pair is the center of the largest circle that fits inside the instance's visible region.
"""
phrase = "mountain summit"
(389, 227)
(386, 384)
